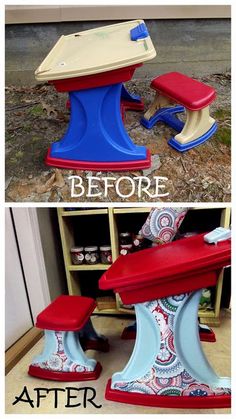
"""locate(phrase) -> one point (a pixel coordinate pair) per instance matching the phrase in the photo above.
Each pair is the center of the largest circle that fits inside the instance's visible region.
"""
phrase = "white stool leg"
(158, 103)
(197, 124)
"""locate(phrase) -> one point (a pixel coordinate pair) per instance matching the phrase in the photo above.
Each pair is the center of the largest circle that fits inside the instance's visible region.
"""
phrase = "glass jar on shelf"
(105, 254)
(77, 255)
(91, 255)
(138, 242)
(125, 238)
(125, 249)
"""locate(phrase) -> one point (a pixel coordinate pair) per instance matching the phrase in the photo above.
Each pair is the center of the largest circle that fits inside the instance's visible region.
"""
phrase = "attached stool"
(193, 96)
(63, 358)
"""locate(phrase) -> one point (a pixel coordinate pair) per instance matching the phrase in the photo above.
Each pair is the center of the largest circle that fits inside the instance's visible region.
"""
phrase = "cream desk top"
(95, 51)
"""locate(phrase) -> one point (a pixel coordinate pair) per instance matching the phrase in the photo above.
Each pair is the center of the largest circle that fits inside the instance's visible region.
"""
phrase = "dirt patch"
(37, 116)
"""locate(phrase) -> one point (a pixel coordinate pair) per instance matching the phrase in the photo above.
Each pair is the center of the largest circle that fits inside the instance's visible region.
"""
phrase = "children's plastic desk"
(168, 367)
(92, 66)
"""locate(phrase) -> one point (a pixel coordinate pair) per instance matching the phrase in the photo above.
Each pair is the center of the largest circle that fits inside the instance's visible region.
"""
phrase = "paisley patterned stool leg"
(63, 359)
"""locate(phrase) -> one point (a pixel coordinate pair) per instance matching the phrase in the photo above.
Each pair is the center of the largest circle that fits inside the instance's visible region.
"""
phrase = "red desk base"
(98, 166)
(178, 402)
(97, 345)
(130, 106)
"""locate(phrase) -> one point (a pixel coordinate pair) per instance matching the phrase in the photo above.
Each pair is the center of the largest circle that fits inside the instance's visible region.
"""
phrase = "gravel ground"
(36, 116)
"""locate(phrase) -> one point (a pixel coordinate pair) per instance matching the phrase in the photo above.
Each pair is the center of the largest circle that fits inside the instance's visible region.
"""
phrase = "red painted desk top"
(174, 268)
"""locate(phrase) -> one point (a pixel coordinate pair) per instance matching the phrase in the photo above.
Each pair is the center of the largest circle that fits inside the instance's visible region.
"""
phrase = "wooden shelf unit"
(97, 267)
(84, 212)
(74, 272)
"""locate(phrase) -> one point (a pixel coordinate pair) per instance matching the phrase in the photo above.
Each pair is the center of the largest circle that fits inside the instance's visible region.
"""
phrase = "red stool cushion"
(190, 93)
(66, 313)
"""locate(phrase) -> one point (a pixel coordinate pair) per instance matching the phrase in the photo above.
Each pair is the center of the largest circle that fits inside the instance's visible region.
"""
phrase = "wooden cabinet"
(102, 226)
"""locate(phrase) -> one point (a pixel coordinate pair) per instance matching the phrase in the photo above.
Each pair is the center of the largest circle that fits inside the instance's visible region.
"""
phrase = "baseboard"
(21, 347)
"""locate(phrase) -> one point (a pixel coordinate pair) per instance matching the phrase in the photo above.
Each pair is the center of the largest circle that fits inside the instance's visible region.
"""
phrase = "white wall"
(17, 315)
(26, 284)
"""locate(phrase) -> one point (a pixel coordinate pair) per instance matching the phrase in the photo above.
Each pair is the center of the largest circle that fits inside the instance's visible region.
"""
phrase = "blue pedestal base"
(96, 136)
(129, 97)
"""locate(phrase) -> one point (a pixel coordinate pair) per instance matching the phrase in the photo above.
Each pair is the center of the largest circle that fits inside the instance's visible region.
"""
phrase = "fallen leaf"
(47, 186)
(59, 180)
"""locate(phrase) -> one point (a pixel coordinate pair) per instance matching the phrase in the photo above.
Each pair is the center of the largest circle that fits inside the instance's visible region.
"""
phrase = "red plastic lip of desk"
(181, 266)
(148, 292)
(120, 166)
(66, 313)
(190, 93)
(95, 80)
(184, 402)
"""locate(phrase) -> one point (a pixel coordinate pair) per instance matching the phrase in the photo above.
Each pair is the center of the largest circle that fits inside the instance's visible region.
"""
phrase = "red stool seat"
(66, 313)
(190, 93)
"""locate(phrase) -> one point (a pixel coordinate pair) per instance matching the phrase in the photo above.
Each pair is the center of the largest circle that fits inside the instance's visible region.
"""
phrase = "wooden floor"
(218, 355)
